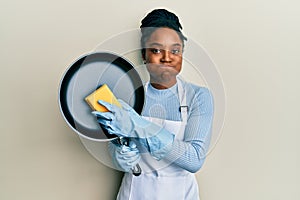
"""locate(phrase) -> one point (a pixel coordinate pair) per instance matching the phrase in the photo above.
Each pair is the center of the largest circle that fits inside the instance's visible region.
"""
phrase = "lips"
(170, 66)
(161, 65)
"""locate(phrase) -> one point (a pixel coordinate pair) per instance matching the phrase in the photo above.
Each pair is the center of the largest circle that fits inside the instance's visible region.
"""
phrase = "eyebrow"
(160, 45)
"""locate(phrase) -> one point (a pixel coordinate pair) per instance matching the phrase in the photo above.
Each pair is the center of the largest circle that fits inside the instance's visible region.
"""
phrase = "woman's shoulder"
(199, 97)
(196, 89)
(197, 94)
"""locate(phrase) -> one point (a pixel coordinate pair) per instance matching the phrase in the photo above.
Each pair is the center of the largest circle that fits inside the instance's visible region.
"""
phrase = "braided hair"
(159, 18)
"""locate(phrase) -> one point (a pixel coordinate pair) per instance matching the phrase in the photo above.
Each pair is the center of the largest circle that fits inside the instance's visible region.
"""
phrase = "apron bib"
(161, 180)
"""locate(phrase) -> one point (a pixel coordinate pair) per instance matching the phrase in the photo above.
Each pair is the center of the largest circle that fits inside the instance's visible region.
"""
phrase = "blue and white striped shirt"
(190, 153)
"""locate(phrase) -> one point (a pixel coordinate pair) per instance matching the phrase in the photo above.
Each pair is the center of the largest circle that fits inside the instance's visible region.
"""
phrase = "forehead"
(165, 37)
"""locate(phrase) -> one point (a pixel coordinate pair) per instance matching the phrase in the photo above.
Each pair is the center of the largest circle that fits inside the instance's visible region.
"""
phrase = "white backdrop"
(255, 45)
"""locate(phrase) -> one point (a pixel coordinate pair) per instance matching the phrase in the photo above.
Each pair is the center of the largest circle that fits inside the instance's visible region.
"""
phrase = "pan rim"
(72, 69)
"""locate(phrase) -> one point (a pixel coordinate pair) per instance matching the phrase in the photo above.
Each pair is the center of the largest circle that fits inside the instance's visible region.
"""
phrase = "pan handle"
(136, 170)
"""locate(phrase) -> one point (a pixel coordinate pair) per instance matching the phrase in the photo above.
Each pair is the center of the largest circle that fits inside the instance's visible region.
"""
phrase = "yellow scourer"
(102, 93)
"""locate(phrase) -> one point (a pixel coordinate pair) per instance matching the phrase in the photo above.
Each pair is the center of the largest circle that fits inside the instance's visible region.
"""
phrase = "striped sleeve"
(190, 153)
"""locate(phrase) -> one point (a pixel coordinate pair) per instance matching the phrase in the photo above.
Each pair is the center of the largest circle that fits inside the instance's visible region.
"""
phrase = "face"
(163, 57)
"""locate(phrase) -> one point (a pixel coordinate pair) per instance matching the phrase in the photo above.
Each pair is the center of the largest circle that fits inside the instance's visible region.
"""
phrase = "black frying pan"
(83, 77)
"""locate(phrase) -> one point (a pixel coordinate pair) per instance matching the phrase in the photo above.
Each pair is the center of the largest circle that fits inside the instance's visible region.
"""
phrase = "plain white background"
(255, 45)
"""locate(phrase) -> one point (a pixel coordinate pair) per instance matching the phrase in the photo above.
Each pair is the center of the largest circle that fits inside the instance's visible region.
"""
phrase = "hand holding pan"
(104, 93)
(86, 75)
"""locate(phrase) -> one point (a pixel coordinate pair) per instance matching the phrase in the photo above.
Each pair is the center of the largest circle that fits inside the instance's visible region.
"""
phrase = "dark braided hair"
(159, 18)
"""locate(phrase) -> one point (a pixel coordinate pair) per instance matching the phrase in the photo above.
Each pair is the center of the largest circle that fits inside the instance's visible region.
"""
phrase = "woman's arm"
(190, 153)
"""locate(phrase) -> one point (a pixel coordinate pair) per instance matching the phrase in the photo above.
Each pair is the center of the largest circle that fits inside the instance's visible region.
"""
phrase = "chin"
(167, 79)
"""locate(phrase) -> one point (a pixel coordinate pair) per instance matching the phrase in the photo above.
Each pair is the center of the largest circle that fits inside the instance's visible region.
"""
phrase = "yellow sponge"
(102, 93)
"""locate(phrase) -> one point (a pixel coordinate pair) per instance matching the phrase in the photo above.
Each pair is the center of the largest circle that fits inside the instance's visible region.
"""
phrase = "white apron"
(161, 180)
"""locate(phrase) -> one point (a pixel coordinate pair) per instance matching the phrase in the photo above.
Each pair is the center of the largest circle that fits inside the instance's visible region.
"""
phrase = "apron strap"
(182, 99)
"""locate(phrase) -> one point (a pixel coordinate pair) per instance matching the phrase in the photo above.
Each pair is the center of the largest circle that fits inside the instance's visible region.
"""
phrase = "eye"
(155, 51)
(175, 51)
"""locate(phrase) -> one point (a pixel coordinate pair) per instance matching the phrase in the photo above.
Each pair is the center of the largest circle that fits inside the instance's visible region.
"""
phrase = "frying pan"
(87, 74)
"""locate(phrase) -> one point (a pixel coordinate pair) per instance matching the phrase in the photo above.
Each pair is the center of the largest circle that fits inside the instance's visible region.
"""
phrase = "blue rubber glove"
(125, 122)
(124, 158)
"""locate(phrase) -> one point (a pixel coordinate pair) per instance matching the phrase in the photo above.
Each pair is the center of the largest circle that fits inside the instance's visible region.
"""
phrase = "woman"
(171, 138)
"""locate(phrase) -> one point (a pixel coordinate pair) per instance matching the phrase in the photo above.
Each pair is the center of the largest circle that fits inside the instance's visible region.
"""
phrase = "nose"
(166, 56)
